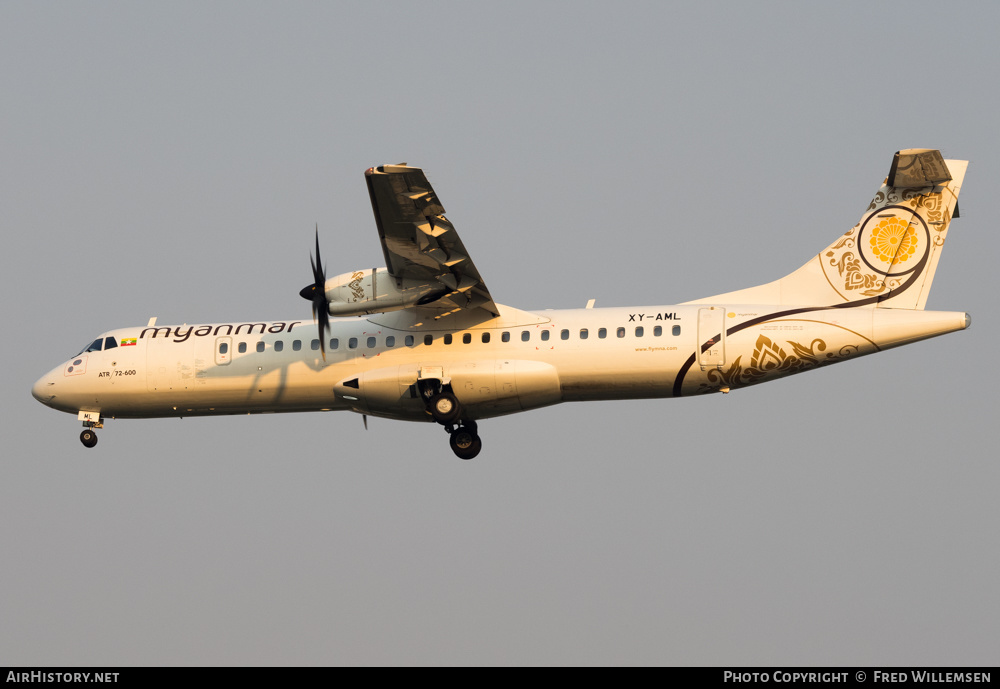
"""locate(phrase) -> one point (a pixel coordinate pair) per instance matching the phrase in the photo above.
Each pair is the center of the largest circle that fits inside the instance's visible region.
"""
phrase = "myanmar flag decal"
(126, 341)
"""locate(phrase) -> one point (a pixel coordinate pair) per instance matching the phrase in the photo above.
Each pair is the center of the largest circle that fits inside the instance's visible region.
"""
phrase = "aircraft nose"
(42, 390)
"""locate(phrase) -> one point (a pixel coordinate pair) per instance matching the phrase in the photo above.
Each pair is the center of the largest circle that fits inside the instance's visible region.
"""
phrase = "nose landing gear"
(91, 420)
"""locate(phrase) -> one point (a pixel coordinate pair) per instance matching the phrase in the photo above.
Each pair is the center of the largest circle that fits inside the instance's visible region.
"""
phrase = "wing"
(421, 246)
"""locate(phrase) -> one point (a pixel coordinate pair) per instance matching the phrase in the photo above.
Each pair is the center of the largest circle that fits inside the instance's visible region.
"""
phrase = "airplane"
(422, 339)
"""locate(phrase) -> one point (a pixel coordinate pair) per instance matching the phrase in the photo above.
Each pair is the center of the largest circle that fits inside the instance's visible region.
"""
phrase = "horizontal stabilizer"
(916, 168)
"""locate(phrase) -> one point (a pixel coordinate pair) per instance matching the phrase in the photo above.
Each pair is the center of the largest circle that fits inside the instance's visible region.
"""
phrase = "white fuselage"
(519, 361)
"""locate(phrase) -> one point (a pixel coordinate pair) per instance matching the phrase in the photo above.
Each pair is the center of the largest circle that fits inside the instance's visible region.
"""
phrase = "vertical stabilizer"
(889, 258)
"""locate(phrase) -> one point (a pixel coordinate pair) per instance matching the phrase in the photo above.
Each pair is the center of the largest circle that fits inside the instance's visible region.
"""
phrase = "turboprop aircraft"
(422, 339)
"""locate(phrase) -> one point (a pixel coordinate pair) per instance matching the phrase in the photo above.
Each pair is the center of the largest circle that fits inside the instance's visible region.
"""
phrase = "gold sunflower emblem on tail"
(893, 241)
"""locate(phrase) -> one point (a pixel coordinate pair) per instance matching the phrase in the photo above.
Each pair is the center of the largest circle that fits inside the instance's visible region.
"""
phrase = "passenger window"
(583, 333)
(371, 343)
(525, 335)
(296, 345)
(564, 334)
(279, 345)
(224, 348)
(602, 333)
(545, 334)
(109, 342)
(428, 339)
(447, 339)
(677, 330)
(353, 343)
(314, 345)
(657, 331)
(505, 336)
(466, 338)
(621, 332)
(409, 340)
(486, 338)
(243, 348)
(260, 346)
(390, 341)
(638, 331)
(335, 343)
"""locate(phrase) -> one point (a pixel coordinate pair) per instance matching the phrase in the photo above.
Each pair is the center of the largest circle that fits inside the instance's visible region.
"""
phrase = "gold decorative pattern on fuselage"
(770, 360)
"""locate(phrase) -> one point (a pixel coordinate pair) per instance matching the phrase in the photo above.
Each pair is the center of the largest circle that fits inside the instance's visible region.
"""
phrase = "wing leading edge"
(421, 245)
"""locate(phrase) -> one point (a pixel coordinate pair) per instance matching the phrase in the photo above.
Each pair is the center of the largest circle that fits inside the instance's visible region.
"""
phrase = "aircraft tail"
(889, 258)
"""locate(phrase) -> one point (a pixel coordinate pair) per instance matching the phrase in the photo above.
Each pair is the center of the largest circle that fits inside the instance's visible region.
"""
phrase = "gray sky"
(172, 160)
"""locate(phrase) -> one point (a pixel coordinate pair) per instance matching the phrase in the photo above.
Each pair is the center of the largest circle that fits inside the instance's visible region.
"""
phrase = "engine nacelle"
(375, 291)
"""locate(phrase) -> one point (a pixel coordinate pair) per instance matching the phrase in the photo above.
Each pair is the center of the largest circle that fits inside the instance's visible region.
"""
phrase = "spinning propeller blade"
(316, 293)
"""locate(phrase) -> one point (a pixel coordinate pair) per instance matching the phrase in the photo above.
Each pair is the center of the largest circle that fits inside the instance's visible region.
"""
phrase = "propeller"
(316, 293)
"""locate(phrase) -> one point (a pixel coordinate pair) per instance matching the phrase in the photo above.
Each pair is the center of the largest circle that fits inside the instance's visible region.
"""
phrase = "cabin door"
(162, 364)
(712, 337)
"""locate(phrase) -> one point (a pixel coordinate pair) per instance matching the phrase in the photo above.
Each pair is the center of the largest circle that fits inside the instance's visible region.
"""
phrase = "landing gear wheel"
(465, 443)
(444, 407)
(88, 438)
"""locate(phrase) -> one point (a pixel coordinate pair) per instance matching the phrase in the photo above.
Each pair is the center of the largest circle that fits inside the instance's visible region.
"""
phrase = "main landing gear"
(465, 441)
(445, 408)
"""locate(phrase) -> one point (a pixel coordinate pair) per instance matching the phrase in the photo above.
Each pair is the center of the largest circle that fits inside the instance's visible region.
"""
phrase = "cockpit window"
(94, 346)
(109, 342)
